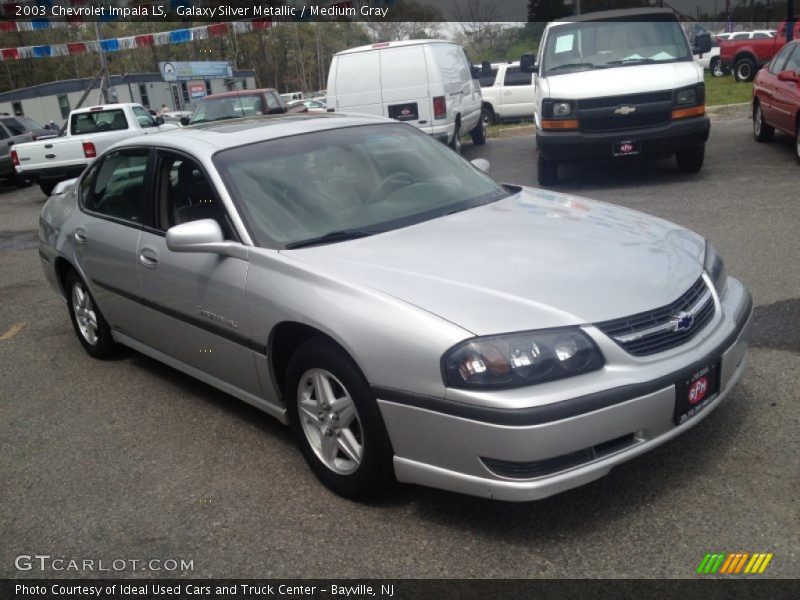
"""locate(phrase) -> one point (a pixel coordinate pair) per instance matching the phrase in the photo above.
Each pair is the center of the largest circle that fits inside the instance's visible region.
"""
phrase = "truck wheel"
(546, 171)
(455, 144)
(489, 118)
(479, 133)
(716, 67)
(47, 187)
(691, 160)
(761, 130)
(744, 70)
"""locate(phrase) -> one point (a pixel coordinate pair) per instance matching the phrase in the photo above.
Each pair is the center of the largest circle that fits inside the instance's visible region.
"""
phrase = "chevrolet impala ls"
(410, 318)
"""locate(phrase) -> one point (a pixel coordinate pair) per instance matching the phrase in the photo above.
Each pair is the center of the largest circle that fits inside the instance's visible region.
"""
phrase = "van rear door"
(404, 81)
(358, 83)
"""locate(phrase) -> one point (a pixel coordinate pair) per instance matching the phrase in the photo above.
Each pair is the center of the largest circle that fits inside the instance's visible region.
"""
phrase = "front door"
(195, 301)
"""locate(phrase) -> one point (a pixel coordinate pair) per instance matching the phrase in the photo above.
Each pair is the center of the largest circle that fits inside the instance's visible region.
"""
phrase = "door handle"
(148, 258)
(80, 236)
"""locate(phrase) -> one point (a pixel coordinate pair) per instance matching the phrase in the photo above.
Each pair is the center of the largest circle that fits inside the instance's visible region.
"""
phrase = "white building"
(53, 101)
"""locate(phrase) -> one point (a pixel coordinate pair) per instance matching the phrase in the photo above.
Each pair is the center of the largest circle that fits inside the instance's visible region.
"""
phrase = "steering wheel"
(396, 178)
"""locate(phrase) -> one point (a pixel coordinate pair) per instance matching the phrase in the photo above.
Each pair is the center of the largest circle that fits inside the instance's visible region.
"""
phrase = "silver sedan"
(410, 318)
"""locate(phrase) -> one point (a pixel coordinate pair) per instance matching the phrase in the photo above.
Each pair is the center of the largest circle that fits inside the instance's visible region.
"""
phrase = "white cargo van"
(617, 84)
(428, 83)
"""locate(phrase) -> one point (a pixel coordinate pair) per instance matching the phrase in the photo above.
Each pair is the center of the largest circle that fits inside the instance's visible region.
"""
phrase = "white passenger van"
(428, 83)
(617, 84)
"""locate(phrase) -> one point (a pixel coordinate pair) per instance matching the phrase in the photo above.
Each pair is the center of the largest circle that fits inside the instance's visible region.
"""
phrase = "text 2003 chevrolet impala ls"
(405, 314)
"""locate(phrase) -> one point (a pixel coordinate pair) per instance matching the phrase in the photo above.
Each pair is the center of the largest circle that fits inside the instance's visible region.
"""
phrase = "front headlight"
(715, 267)
(561, 109)
(520, 359)
(686, 96)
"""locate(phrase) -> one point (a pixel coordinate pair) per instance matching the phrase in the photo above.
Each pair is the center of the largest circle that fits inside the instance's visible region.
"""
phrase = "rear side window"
(760, 36)
(116, 188)
(272, 100)
(776, 66)
(741, 36)
(14, 126)
(3, 133)
(98, 121)
(515, 77)
(488, 80)
(793, 64)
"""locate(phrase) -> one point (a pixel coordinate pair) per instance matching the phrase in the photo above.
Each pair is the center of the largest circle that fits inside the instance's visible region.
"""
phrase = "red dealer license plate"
(626, 148)
(695, 393)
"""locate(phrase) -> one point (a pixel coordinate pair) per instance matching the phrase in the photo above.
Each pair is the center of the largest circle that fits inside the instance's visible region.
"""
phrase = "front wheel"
(762, 131)
(90, 326)
(546, 171)
(337, 422)
(691, 160)
(479, 133)
(744, 70)
(716, 67)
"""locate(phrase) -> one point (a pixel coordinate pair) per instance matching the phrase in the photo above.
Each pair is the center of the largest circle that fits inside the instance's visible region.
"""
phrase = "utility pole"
(789, 20)
(105, 82)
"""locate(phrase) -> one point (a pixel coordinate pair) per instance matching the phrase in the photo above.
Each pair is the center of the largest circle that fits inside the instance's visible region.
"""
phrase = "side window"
(144, 117)
(116, 188)
(185, 194)
(272, 100)
(98, 121)
(760, 36)
(488, 80)
(515, 77)
(740, 36)
(14, 126)
(776, 66)
(793, 64)
(3, 133)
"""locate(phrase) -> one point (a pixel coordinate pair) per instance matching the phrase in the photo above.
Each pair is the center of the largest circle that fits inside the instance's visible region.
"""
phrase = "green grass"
(726, 90)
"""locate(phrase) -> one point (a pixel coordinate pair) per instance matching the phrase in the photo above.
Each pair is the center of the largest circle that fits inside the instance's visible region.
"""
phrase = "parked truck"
(89, 132)
(746, 56)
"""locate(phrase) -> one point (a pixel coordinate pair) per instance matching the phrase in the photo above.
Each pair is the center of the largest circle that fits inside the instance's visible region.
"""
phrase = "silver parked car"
(408, 316)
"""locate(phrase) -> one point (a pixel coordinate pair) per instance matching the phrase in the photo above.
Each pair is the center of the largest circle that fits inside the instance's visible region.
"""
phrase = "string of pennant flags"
(107, 45)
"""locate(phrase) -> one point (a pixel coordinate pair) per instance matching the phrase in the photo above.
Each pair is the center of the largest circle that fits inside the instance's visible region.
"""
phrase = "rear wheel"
(479, 133)
(47, 187)
(691, 160)
(90, 326)
(716, 67)
(489, 118)
(546, 171)
(455, 143)
(761, 130)
(744, 69)
(336, 421)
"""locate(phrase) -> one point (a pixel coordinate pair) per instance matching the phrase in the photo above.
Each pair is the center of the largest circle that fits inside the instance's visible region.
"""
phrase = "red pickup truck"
(746, 57)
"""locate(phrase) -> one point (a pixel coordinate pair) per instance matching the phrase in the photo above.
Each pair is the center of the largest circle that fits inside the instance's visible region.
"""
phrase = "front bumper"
(444, 444)
(663, 140)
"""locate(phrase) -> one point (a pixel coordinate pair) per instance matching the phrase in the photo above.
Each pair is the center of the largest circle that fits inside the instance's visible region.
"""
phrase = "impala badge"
(625, 110)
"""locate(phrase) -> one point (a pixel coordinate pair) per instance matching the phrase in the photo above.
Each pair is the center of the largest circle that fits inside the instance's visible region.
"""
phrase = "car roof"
(611, 15)
(239, 93)
(205, 139)
(399, 44)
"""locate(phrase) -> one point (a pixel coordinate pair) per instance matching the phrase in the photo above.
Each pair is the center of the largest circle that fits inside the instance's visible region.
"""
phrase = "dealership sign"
(197, 90)
(183, 71)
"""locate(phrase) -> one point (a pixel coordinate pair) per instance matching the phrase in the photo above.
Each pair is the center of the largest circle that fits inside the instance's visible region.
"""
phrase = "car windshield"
(232, 107)
(351, 182)
(605, 44)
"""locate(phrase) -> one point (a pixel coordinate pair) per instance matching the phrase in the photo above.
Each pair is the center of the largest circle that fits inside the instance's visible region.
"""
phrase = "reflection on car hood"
(621, 80)
(533, 260)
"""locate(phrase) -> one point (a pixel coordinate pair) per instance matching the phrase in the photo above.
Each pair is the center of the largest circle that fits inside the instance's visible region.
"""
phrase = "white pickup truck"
(508, 93)
(90, 131)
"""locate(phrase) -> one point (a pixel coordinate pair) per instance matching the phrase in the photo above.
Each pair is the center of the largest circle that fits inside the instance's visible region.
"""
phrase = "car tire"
(479, 133)
(47, 187)
(488, 115)
(90, 326)
(691, 159)
(716, 67)
(546, 171)
(762, 131)
(744, 70)
(340, 430)
(455, 143)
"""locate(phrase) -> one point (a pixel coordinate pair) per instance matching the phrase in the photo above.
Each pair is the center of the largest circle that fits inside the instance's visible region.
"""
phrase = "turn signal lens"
(565, 124)
(694, 111)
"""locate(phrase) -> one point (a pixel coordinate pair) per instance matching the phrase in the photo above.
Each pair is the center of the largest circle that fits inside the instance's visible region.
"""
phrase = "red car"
(776, 96)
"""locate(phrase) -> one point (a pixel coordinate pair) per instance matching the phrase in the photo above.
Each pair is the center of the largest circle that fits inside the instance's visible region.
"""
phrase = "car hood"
(533, 260)
(618, 81)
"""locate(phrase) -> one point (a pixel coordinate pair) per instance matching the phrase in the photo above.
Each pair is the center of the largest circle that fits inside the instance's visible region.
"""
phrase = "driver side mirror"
(702, 43)
(481, 164)
(527, 63)
(204, 235)
(159, 120)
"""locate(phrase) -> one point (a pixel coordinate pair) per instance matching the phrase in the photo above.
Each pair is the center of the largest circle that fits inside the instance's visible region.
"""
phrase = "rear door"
(787, 93)
(404, 85)
(358, 83)
(194, 301)
(517, 98)
(772, 94)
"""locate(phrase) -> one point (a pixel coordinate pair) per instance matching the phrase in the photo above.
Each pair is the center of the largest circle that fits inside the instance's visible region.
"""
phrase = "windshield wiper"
(577, 64)
(637, 61)
(333, 236)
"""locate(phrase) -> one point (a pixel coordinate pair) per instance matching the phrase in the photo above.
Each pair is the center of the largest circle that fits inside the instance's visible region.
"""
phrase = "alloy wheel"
(85, 314)
(757, 121)
(330, 421)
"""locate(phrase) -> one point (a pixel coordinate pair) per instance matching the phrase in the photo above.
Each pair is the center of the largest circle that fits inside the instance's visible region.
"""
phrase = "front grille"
(630, 99)
(623, 122)
(666, 327)
(542, 468)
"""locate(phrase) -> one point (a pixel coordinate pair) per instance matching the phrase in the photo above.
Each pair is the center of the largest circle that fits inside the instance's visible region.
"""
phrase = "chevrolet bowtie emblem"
(625, 110)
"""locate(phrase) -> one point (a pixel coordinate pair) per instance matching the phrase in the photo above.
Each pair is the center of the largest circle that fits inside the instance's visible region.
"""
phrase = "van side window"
(515, 77)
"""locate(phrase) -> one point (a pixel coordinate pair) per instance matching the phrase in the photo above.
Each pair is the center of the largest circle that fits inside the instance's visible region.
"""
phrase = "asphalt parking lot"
(130, 459)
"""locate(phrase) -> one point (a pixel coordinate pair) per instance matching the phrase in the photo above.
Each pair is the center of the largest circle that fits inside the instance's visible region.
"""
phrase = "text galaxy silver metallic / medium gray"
(409, 317)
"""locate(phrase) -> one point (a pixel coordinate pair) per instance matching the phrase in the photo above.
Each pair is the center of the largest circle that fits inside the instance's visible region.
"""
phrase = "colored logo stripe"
(734, 563)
